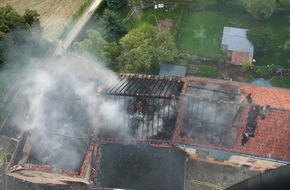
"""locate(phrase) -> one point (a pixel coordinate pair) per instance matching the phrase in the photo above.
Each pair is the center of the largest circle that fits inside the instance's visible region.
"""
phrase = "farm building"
(236, 45)
(161, 121)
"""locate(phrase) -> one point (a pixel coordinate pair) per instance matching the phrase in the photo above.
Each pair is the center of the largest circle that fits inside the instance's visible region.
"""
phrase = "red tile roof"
(272, 136)
(275, 97)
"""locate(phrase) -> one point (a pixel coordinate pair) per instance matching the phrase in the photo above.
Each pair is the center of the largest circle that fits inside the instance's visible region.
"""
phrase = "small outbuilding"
(170, 70)
(236, 45)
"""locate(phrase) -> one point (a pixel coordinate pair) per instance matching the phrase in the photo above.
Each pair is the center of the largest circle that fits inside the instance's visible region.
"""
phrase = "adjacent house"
(236, 45)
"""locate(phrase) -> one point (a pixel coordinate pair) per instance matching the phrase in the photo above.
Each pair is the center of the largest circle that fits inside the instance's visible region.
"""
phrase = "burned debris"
(148, 104)
(253, 114)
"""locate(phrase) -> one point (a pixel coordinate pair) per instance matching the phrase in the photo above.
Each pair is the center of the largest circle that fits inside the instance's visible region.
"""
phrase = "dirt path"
(63, 45)
(54, 14)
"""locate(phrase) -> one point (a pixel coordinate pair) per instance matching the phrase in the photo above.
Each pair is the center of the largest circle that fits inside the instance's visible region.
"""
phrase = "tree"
(143, 49)
(260, 9)
(9, 19)
(222, 3)
(112, 27)
(283, 2)
(116, 4)
(262, 39)
(21, 32)
(112, 52)
(31, 17)
(97, 47)
(93, 45)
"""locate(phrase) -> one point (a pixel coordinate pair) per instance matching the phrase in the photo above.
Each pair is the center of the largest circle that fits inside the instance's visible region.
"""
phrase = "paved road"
(64, 44)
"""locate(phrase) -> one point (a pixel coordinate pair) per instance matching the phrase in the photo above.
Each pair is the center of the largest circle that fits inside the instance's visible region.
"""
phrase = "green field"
(202, 33)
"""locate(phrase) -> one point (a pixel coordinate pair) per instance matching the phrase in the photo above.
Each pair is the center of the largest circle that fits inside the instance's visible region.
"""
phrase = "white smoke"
(59, 107)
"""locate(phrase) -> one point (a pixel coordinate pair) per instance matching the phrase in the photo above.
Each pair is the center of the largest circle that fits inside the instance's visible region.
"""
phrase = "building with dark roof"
(236, 45)
(170, 70)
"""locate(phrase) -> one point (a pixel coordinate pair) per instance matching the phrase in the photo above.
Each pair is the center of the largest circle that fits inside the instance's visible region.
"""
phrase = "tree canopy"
(260, 9)
(112, 27)
(262, 39)
(9, 19)
(222, 3)
(116, 4)
(143, 49)
(92, 44)
(20, 32)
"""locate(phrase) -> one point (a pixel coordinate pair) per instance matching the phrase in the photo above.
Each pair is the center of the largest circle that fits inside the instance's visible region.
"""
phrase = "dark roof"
(142, 167)
(172, 70)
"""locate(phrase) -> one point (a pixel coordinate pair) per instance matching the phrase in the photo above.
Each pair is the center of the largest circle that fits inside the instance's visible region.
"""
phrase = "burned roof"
(146, 107)
(235, 117)
(145, 85)
(216, 114)
(59, 139)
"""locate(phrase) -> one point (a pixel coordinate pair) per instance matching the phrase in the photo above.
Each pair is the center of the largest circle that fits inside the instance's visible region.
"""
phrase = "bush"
(261, 70)
(206, 71)
(246, 65)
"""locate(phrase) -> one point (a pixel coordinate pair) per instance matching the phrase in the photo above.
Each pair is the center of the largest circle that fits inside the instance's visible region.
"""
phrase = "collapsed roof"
(235, 117)
(216, 114)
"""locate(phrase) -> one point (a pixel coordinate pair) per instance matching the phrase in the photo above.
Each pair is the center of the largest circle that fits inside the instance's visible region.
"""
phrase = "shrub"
(261, 70)
(246, 65)
(179, 22)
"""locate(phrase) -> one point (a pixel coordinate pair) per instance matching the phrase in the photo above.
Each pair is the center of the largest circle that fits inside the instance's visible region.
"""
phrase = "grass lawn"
(147, 16)
(202, 33)
(282, 82)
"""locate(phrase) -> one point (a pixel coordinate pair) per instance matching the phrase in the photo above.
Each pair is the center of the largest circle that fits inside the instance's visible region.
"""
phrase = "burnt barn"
(148, 106)
(145, 127)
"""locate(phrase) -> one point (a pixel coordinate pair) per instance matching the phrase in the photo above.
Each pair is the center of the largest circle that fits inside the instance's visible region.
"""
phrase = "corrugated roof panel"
(236, 40)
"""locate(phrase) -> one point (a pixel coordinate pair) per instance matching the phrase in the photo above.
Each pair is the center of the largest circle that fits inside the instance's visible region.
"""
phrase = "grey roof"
(172, 70)
(236, 40)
